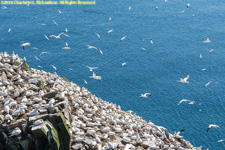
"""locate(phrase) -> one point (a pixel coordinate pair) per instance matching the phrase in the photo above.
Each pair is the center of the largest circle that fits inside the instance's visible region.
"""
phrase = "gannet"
(200, 56)
(37, 58)
(178, 133)
(54, 68)
(211, 50)
(92, 47)
(110, 31)
(123, 38)
(185, 100)
(212, 125)
(46, 37)
(220, 141)
(67, 47)
(59, 11)
(123, 64)
(9, 30)
(207, 84)
(188, 5)
(207, 40)
(4, 7)
(143, 48)
(129, 8)
(58, 36)
(110, 18)
(99, 78)
(66, 30)
(151, 41)
(184, 80)
(91, 68)
(54, 22)
(85, 82)
(33, 112)
(145, 95)
(42, 54)
(25, 44)
(204, 69)
(98, 35)
(37, 122)
(15, 132)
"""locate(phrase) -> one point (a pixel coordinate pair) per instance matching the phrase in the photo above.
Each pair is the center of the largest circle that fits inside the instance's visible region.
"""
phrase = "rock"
(50, 94)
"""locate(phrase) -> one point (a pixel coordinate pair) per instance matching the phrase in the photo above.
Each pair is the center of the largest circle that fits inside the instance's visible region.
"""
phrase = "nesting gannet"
(188, 5)
(92, 47)
(59, 11)
(54, 68)
(207, 40)
(46, 37)
(110, 31)
(99, 78)
(9, 30)
(145, 95)
(207, 84)
(25, 44)
(151, 41)
(16, 132)
(33, 112)
(38, 122)
(39, 66)
(54, 22)
(123, 38)
(200, 56)
(98, 35)
(212, 125)
(4, 7)
(211, 50)
(67, 47)
(184, 80)
(123, 64)
(110, 18)
(91, 68)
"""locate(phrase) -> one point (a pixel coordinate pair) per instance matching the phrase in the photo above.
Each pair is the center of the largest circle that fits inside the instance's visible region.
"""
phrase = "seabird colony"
(27, 96)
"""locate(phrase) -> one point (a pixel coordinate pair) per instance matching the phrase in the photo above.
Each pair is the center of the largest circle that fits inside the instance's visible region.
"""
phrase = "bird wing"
(66, 44)
(186, 78)
(101, 52)
(208, 129)
(46, 37)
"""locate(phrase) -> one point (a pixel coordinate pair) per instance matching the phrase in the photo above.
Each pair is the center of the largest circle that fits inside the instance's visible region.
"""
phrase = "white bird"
(70, 69)
(33, 112)
(123, 64)
(143, 48)
(38, 122)
(165, 1)
(192, 102)
(183, 100)
(211, 50)
(66, 30)
(16, 132)
(98, 35)
(54, 22)
(110, 18)
(207, 84)
(85, 82)
(66, 46)
(91, 68)
(204, 69)
(188, 5)
(59, 11)
(37, 58)
(212, 125)
(100, 51)
(207, 40)
(123, 38)
(39, 66)
(54, 68)
(145, 95)
(7, 108)
(92, 47)
(4, 7)
(99, 78)
(46, 37)
(151, 41)
(200, 56)
(129, 8)
(25, 44)
(184, 80)
(58, 36)
(42, 54)
(9, 30)
(110, 31)
(220, 141)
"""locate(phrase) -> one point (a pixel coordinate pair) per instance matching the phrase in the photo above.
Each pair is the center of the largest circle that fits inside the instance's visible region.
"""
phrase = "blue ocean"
(177, 32)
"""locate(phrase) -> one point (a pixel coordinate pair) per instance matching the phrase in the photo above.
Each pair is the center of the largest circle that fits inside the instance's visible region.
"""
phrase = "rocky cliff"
(41, 111)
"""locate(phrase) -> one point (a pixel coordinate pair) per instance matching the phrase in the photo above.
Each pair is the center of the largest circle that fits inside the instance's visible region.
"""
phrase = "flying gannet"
(207, 40)
(91, 68)
(184, 80)
(110, 31)
(110, 18)
(188, 5)
(129, 8)
(46, 37)
(200, 56)
(207, 84)
(145, 95)
(183, 100)
(99, 78)
(98, 35)
(211, 50)
(58, 36)
(54, 22)
(123, 64)
(59, 11)
(85, 83)
(54, 68)
(151, 41)
(123, 38)
(212, 125)
(67, 47)
(25, 44)
(66, 30)
(9, 30)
